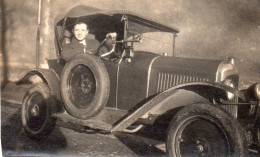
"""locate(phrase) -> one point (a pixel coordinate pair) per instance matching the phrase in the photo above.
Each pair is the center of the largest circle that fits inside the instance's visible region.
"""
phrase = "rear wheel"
(36, 111)
(205, 130)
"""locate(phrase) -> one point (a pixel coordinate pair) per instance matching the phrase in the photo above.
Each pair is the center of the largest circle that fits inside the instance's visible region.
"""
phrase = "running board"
(125, 122)
(91, 123)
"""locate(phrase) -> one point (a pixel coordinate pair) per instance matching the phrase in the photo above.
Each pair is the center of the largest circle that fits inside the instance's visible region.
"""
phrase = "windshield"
(153, 40)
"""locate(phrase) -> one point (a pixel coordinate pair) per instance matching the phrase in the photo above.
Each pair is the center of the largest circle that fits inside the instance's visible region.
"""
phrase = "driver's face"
(80, 31)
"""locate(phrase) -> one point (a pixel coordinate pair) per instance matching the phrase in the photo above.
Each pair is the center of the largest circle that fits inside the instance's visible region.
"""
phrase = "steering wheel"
(107, 48)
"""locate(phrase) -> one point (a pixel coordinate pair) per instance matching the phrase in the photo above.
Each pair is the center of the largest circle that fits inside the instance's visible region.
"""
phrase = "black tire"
(205, 130)
(85, 86)
(36, 111)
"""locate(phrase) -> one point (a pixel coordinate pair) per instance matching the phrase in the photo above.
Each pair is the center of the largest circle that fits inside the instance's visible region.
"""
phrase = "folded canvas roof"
(82, 11)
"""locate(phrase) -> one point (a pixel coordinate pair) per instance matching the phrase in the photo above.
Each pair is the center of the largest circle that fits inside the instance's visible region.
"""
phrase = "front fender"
(50, 78)
(189, 93)
(174, 98)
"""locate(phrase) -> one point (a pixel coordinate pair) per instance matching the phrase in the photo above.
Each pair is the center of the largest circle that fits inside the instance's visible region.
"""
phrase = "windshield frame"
(155, 26)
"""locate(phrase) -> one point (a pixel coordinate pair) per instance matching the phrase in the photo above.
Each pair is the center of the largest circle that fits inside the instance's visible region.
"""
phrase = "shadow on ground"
(147, 142)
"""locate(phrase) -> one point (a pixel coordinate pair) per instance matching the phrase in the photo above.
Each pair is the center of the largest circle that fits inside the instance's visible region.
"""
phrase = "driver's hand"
(110, 39)
(112, 36)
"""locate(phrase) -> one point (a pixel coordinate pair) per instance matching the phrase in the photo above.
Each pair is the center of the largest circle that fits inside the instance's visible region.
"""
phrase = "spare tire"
(85, 86)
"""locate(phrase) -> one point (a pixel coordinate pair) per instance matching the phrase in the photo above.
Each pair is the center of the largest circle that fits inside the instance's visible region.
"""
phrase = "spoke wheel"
(85, 86)
(205, 130)
(198, 136)
(82, 86)
(36, 111)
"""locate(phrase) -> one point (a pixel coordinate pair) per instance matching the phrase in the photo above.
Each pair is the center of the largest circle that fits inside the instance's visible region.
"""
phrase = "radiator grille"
(166, 80)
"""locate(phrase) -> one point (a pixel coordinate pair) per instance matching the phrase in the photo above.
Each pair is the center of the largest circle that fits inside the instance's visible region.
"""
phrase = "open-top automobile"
(141, 83)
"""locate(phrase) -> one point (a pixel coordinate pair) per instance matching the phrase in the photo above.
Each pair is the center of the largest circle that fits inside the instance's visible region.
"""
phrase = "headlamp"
(257, 91)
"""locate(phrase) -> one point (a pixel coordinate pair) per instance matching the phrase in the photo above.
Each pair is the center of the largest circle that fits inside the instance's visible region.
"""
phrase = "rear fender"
(190, 93)
(51, 79)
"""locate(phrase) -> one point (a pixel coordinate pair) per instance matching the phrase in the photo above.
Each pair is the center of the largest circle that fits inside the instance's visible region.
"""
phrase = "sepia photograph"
(177, 78)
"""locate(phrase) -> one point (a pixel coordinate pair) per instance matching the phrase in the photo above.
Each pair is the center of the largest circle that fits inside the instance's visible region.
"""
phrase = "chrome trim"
(55, 74)
(257, 91)
(117, 80)
(149, 75)
(159, 77)
(117, 76)
(225, 68)
(133, 130)
(230, 83)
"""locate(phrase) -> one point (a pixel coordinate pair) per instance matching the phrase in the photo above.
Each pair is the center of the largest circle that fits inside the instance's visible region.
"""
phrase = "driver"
(79, 43)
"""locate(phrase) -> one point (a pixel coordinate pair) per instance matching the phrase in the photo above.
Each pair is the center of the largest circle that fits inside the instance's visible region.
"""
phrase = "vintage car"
(141, 84)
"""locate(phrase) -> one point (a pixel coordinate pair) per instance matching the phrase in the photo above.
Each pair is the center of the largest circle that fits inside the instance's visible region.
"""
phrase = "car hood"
(196, 65)
(190, 67)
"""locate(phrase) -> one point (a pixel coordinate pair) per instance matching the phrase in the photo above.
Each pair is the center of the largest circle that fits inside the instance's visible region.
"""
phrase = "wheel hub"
(86, 85)
(35, 110)
(200, 148)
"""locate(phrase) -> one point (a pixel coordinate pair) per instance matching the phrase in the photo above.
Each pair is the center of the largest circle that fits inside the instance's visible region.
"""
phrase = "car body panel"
(143, 74)
(132, 80)
(149, 74)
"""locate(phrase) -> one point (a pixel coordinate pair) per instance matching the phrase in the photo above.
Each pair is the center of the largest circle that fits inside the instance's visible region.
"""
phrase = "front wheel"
(36, 106)
(205, 130)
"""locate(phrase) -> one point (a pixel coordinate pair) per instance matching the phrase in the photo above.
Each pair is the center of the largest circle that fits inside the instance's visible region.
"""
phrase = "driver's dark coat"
(74, 48)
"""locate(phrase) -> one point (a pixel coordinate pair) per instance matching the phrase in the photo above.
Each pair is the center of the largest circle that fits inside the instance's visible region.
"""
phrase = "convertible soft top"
(82, 11)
